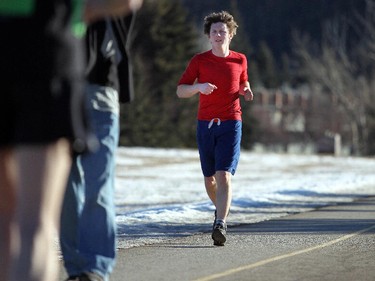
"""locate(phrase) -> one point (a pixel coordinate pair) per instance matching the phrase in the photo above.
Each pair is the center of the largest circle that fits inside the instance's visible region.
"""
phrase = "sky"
(160, 192)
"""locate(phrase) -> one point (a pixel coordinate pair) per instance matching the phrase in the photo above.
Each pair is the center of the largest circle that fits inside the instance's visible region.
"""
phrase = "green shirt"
(27, 8)
(17, 7)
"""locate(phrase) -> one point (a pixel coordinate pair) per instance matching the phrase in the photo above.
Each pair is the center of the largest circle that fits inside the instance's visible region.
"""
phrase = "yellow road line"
(277, 258)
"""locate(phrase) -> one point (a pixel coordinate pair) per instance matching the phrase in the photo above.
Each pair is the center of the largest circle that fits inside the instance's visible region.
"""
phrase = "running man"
(220, 77)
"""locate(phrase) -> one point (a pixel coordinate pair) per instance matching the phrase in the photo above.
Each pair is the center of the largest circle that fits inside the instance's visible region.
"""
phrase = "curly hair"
(223, 17)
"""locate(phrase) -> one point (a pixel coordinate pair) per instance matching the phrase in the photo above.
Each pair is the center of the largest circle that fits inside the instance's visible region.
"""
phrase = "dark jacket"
(108, 59)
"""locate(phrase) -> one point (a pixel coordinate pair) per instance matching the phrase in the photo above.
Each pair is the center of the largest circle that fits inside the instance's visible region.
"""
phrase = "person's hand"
(97, 9)
(248, 94)
(207, 88)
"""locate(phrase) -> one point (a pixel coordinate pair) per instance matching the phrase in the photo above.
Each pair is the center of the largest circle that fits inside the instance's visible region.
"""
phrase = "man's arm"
(246, 91)
(97, 9)
(187, 91)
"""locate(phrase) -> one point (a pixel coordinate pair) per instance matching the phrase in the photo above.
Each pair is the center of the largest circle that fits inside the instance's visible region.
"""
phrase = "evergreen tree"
(164, 42)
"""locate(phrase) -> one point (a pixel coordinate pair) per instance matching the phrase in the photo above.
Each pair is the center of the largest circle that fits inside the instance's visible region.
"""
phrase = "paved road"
(332, 243)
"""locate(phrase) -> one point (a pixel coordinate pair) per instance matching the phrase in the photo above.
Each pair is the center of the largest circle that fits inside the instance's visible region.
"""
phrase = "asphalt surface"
(331, 243)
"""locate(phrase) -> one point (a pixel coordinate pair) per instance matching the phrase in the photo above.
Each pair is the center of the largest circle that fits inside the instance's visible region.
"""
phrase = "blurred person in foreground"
(42, 122)
(220, 77)
(88, 226)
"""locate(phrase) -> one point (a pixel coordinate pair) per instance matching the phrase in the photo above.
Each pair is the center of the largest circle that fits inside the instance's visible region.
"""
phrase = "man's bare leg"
(43, 172)
(219, 190)
(211, 187)
(223, 201)
(7, 207)
(223, 194)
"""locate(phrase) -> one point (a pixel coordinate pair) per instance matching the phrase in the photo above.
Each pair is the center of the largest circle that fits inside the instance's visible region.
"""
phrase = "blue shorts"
(219, 145)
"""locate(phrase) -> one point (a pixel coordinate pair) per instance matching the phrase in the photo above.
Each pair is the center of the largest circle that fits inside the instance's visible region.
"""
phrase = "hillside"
(273, 21)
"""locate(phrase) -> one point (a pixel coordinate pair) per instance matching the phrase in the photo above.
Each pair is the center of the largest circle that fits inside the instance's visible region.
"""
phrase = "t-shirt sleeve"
(244, 76)
(191, 72)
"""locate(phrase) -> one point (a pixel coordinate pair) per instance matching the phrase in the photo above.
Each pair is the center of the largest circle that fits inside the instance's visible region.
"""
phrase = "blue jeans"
(88, 229)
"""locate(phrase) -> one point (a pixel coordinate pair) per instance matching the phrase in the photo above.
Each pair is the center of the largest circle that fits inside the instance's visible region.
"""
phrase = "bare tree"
(337, 66)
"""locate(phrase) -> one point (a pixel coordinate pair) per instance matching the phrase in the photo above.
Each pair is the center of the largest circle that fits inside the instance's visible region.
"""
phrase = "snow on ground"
(160, 192)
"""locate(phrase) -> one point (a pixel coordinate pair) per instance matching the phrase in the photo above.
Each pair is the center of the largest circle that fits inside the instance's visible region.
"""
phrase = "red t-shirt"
(227, 73)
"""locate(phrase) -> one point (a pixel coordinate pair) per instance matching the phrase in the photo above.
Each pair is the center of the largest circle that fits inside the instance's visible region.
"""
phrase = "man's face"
(219, 35)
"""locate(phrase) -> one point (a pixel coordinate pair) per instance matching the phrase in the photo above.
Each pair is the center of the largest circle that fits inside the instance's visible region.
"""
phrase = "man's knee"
(222, 176)
(210, 182)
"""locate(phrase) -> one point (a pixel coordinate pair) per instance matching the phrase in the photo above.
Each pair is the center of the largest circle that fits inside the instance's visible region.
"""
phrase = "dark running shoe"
(90, 276)
(218, 234)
